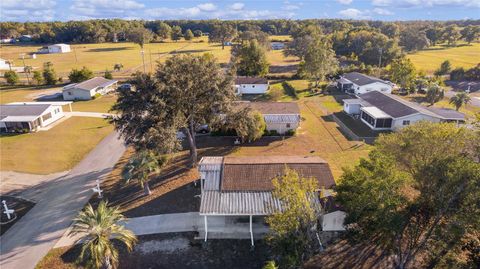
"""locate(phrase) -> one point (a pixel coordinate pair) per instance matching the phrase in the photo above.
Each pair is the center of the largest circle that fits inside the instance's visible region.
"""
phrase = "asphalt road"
(23, 245)
(475, 101)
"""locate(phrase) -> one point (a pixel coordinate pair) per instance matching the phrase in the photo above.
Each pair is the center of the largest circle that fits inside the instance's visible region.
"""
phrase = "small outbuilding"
(86, 90)
(4, 64)
(277, 45)
(281, 117)
(59, 48)
(251, 85)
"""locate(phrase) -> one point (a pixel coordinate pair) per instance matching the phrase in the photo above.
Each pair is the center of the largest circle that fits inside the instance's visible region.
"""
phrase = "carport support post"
(251, 231)
(206, 227)
(70, 106)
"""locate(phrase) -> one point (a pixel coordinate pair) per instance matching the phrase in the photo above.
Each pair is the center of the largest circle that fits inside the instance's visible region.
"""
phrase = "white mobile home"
(281, 117)
(30, 116)
(251, 85)
(357, 83)
(59, 48)
(383, 111)
(86, 90)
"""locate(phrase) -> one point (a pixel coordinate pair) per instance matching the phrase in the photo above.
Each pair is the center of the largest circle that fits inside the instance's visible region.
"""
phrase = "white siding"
(398, 122)
(56, 113)
(351, 108)
(377, 86)
(76, 94)
(252, 88)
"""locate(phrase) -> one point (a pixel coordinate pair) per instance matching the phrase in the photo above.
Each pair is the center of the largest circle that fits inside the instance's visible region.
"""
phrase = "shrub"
(108, 74)
(97, 95)
(11, 77)
(37, 77)
(290, 132)
(80, 75)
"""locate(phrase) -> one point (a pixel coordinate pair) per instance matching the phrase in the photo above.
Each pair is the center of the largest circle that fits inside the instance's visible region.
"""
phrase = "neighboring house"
(277, 45)
(279, 116)
(236, 192)
(87, 89)
(383, 111)
(25, 38)
(59, 48)
(7, 40)
(30, 116)
(357, 83)
(250, 85)
(4, 65)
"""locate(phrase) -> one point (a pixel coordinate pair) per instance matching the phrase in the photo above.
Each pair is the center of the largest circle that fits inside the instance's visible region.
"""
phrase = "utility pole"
(151, 63)
(143, 60)
(25, 68)
(380, 50)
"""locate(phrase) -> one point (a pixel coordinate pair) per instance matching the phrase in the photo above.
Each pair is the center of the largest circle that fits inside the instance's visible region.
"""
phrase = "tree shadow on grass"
(109, 49)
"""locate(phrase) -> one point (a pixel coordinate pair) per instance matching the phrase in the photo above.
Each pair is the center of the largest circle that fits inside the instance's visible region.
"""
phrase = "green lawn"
(430, 59)
(101, 104)
(55, 150)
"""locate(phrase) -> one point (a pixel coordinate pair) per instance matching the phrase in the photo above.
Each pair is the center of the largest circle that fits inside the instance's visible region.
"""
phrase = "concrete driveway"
(23, 245)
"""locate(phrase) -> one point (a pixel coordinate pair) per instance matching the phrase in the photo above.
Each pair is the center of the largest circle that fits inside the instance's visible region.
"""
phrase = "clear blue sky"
(63, 10)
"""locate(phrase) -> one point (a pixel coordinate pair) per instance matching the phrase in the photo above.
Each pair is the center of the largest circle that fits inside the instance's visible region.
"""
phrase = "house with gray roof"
(383, 111)
(30, 116)
(357, 83)
(88, 89)
(236, 192)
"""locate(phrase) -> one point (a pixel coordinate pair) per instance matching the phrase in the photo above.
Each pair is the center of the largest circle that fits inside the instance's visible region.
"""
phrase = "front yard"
(55, 150)
(175, 250)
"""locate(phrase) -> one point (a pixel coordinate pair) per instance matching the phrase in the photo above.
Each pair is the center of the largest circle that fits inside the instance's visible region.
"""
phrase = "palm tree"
(27, 70)
(459, 99)
(141, 167)
(98, 227)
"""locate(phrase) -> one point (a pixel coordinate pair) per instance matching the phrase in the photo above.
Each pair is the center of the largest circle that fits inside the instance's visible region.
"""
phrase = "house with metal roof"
(251, 85)
(236, 191)
(30, 116)
(357, 83)
(383, 111)
(88, 89)
(281, 117)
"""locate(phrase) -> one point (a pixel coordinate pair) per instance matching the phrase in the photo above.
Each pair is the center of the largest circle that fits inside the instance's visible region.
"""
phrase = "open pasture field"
(429, 60)
(103, 56)
(55, 150)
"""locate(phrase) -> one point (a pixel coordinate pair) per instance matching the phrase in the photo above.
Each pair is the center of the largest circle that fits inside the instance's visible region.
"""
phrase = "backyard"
(55, 150)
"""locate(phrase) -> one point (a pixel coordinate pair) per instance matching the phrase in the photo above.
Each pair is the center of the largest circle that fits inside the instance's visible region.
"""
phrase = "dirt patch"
(175, 250)
(165, 246)
(21, 208)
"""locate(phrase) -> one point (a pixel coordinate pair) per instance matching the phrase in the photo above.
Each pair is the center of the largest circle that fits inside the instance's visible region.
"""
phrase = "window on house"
(253, 86)
(288, 125)
(46, 116)
(406, 122)
(69, 93)
(244, 86)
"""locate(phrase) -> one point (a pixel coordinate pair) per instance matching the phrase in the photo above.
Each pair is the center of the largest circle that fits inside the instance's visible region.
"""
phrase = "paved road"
(36, 233)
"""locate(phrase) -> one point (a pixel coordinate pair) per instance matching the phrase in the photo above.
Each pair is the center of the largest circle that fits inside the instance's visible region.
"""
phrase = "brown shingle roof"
(250, 80)
(256, 173)
(271, 107)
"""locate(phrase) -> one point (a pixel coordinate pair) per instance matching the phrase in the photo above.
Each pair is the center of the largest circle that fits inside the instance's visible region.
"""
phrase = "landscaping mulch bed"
(21, 208)
(175, 250)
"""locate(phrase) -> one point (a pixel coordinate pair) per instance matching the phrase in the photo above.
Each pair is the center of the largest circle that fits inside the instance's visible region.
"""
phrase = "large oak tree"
(186, 91)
